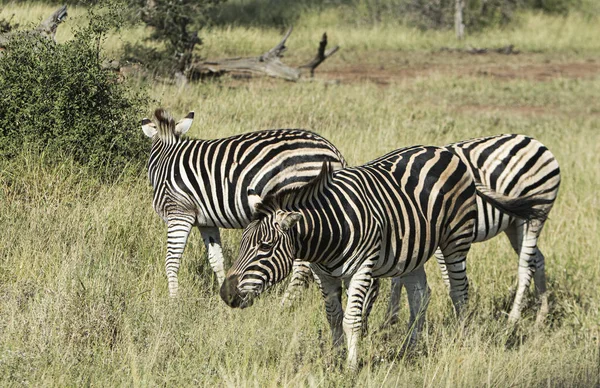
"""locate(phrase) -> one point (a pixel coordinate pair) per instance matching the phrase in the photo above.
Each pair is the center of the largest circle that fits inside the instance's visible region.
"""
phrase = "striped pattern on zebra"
(525, 171)
(527, 174)
(382, 219)
(204, 183)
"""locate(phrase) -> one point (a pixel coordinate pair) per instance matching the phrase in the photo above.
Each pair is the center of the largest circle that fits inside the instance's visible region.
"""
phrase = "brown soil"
(494, 67)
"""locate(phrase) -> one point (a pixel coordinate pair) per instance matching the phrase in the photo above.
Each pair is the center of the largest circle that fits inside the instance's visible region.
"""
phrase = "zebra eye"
(265, 246)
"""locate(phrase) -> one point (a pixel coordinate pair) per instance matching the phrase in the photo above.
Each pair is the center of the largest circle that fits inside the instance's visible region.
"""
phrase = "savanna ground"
(83, 294)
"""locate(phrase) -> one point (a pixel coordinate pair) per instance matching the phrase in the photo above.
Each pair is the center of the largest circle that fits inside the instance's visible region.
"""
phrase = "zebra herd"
(306, 213)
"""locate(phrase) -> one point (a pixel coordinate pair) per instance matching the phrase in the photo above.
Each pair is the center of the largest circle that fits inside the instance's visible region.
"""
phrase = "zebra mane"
(294, 195)
(166, 122)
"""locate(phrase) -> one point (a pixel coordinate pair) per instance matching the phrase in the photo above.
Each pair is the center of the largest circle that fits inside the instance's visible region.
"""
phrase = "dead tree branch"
(321, 56)
(268, 63)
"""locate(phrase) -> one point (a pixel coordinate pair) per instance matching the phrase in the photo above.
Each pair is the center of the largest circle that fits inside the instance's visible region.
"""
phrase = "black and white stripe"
(526, 173)
(204, 183)
(382, 219)
(522, 178)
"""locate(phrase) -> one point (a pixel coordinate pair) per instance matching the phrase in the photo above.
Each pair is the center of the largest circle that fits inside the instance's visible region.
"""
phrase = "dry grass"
(83, 295)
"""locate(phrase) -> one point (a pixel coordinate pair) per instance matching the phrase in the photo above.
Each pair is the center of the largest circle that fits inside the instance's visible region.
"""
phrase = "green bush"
(57, 99)
(175, 25)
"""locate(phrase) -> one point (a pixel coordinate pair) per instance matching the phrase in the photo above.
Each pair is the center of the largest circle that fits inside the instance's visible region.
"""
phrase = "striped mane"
(294, 195)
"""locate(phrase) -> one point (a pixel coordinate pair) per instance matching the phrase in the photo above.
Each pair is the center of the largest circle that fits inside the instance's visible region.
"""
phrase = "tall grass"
(83, 294)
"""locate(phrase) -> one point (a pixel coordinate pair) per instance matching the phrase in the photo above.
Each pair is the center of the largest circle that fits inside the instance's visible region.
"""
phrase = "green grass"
(83, 294)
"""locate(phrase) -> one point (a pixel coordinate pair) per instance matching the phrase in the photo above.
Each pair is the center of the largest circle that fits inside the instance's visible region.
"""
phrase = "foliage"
(175, 24)
(57, 98)
(7, 25)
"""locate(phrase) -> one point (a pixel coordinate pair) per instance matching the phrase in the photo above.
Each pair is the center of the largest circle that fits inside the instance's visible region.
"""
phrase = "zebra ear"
(184, 124)
(290, 219)
(254, 200)
(148, 127)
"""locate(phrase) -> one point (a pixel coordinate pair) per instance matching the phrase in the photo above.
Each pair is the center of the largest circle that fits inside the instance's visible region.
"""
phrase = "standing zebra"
(382, 219)
(204, 183)
(523, 169)
(527, 174)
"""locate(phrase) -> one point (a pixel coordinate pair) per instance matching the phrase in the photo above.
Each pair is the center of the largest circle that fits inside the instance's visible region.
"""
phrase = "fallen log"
(268, 64)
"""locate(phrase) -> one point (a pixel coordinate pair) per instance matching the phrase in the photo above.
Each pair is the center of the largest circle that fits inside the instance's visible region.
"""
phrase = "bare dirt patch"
(496, 66)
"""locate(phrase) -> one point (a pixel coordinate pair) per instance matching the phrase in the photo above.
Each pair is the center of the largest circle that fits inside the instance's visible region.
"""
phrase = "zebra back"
(516, 177)
(211, 178)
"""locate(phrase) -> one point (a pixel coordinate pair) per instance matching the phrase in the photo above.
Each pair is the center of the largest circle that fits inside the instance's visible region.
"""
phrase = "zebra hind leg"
(178, 230)
(301, 277)
(212, 242)
(523, 238)
(539, 278)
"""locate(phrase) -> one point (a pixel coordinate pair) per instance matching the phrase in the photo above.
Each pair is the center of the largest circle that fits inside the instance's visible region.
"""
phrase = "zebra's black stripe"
(382, 219)
(204, 183)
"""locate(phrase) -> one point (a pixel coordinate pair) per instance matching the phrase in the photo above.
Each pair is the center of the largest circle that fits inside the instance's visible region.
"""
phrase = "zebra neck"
(318, 236)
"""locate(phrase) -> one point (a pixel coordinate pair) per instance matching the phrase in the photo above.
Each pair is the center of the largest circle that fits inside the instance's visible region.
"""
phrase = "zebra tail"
(521, 207)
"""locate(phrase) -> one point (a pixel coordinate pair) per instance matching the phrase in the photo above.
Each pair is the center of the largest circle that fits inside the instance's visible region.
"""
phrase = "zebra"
(381, 219)
(204, 183)
(521, 168)
(527, 174)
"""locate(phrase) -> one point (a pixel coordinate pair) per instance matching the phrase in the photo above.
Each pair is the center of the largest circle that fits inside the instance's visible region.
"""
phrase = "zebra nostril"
(229, 292)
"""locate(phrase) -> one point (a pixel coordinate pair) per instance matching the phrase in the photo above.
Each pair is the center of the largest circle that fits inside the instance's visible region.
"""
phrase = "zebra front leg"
(439, 256)
(391, 315)
(418, 293)
(212, 242)
(358, 289)
(455, 260)
(331, 289)
(178, 230)
(369, 302)
(302, 275)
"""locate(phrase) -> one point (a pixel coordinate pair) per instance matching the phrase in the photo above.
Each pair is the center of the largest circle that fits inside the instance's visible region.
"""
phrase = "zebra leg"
(418, 293)
(301, 277)
(212, 242)
(391, 315)
(178, 230)
(539, 278)
(331, 289)
(370, 299)
(358, 289)
(455, 257)
(523, 238)
(439, 256)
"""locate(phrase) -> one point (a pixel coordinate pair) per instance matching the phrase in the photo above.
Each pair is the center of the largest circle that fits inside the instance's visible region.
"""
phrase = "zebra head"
(267, 252)
(167, 130)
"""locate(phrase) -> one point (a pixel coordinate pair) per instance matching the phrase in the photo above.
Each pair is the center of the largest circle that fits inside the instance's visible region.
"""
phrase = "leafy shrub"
(175, 24)
(58, 99)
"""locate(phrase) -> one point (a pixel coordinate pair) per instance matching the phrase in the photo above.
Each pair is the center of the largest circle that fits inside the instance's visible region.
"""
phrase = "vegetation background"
(83, 295)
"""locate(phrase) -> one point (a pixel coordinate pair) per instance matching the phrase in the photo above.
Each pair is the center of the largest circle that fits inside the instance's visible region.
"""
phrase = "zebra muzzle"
(230, 293)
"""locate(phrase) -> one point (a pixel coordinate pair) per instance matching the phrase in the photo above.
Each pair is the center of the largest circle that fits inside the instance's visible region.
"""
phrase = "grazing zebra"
(205, 182)
(527, 174)
(521, 168)
(382, 219)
